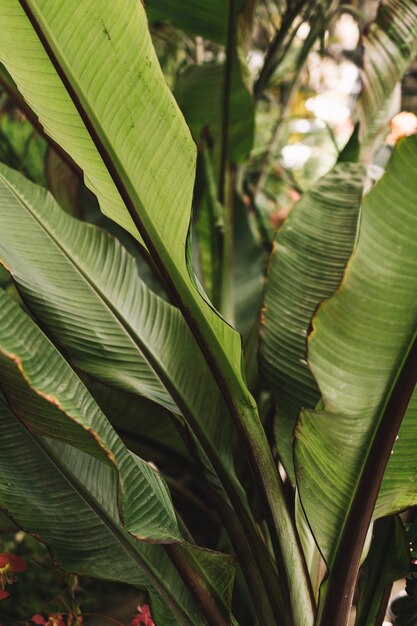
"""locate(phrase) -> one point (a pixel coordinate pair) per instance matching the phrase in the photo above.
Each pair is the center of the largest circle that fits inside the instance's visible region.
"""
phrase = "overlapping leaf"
(82, 535)
(85, 288)
(128, 496)
(310, 252)
(63, 409)
(115, 88)
(357, 347)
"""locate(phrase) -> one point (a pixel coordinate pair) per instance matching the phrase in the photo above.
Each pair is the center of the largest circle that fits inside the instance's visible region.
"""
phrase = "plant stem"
(210, 605)
(283, 37)
(227, 177)
(226, 278)
(253, 555)
(227, 88)
(341, 583)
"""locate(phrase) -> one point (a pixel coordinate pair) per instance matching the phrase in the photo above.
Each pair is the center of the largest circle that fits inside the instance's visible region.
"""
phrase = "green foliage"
(140, 443)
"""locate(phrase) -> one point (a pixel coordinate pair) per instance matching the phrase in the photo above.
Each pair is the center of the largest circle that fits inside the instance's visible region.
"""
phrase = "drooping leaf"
(357, 351)
(388, 560)
(114, 113)
(52, 403)
(82, 535)
(389, 47)
(309, 255)
(85, 288)
(61, 407)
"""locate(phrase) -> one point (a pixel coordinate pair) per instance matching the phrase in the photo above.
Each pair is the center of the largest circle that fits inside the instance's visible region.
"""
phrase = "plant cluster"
(208, 354)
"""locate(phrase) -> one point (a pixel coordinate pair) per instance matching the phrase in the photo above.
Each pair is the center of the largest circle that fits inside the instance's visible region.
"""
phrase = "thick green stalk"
(210, 605)
(227, 88)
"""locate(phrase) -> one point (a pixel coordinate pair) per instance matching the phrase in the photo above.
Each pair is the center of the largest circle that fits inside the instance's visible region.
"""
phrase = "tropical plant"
(274, 485)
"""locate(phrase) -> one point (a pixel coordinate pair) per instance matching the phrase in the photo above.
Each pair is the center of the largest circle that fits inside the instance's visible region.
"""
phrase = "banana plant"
(222, 420)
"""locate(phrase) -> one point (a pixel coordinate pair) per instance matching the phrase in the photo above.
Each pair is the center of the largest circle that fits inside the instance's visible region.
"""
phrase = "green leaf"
(389, 47)
(63, 182)
(358, 348)
(52, 403)
(199, 93)
(107, 494)
(81, 533)
(309, 255)
(21, 147)
(65, 410)
(84, 287)
(148, 428)
(208, 19)
(116, 114)
(248, 266)
(388, 560)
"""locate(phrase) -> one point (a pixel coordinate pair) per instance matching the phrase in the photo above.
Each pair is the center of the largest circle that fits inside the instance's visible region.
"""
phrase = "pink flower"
(143, 617)
(53, 620)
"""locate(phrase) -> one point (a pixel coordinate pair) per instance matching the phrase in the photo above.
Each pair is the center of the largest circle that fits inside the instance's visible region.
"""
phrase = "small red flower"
(9, 564)
(12, 562)
(143, 617)
(38, 619)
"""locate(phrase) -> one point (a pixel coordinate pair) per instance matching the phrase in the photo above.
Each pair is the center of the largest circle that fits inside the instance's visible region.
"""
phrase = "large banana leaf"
(91, 74)
(358, 348)
(309, 254)
(41, 489)
(83, 285)
(389, 47)
(93, 79)
(66, 411)
(129, 497)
